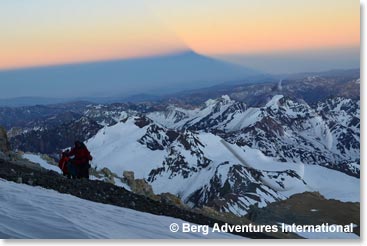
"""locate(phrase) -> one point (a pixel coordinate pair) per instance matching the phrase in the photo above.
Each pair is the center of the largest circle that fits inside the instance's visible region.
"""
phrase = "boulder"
(128, 177)
(108, 175)
(171, 199)
(139, 186)
(107, 172)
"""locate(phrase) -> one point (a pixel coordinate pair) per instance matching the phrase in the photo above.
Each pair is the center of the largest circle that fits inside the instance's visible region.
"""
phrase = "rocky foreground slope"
(102, 192)
(306, 208)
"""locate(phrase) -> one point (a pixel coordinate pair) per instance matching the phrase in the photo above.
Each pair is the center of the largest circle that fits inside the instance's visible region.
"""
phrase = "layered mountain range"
(226, 153)
(327, 134)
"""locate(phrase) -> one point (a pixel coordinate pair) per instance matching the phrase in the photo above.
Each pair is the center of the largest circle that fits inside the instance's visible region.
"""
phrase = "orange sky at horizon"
(41, 32)
(265, 25)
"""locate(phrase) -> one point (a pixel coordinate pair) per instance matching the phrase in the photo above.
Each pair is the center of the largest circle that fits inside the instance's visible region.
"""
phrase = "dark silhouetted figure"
(81, 159)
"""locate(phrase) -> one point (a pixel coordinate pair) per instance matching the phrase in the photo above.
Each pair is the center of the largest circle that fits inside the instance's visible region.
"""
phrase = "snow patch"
(43, 163)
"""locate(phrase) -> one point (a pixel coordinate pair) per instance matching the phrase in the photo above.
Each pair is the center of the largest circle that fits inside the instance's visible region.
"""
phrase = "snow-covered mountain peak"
(226, 98)
(274, 102)
(213, 111)
(223, 100)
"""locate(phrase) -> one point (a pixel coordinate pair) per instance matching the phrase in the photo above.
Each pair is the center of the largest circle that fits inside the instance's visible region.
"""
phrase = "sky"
(252, 33)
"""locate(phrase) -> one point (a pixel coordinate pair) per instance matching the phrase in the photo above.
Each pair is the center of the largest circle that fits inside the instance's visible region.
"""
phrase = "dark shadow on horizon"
(158, 75)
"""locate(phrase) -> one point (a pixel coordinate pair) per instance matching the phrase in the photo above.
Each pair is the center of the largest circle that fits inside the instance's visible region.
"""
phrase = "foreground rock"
(139, 186)
(309, 208)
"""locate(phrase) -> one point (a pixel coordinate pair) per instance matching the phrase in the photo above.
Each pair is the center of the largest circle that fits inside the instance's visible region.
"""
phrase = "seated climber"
(63, 163)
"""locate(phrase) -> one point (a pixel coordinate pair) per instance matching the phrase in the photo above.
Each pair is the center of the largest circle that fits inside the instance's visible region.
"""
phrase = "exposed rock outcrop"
(4, 142)
(172, 199)
(129, 177)
(108, 175)
(139, 186)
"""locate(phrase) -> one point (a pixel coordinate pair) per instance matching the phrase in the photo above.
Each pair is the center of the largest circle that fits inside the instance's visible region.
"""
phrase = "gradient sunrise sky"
(48, 32)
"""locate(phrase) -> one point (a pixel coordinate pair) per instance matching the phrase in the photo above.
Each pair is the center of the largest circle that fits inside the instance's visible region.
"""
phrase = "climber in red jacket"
(63, 163)
(81, 159)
